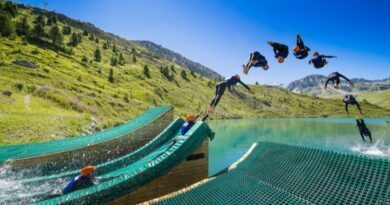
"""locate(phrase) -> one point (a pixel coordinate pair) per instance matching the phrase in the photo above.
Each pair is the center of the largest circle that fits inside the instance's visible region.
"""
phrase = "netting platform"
(285, 174)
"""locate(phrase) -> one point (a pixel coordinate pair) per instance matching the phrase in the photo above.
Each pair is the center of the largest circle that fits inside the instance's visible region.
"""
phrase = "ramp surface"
(59, 147)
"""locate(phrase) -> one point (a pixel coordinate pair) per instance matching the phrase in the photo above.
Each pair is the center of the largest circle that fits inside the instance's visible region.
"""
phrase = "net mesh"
(285, 174)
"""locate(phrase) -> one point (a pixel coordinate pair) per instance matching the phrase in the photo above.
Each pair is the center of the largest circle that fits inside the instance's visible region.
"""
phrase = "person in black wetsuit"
(318, 60)
(220, 90)
(190, 121)
(349, 99)
(300, 50)
(256, 60)
(280, 50)
(335, 78)
(82, 181)
(363, 130)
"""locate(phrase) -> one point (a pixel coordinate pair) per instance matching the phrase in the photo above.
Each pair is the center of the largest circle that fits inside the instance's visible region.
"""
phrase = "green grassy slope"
(60, 97)
(381, 98)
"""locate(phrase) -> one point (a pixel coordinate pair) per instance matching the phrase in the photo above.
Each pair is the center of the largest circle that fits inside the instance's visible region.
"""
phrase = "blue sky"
(220, 34)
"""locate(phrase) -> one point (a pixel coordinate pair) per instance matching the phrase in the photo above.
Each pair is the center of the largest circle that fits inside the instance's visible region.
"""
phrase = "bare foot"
(210, 109)
(245, 70)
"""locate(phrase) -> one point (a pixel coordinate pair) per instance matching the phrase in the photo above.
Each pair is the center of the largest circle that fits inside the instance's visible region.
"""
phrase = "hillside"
(53, 87)
(374, 91)
(180, 60)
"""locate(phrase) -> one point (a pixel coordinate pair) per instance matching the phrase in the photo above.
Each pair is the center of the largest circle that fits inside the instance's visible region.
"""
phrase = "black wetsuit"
(77, 183)
(363, 130)
(279, 49)
(303, 50)
(256, 56)
(349, 99)
(221, 87)
(335, 78)
(319, 61)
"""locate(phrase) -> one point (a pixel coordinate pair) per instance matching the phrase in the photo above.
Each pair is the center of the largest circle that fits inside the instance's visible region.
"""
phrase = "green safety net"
(285, 174)
(119, 162)
(134, 175)
(63, 145)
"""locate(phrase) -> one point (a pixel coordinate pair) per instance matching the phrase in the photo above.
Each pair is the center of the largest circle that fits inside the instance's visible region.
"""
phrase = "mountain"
(179, 59)
(369, 90)
(61, 77)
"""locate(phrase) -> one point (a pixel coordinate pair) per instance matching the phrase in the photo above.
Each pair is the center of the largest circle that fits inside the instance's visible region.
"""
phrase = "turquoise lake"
(234, 137)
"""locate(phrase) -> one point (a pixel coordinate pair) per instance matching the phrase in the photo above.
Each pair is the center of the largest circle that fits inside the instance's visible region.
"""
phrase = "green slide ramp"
(140, 172)
(36, 186)
(167, 134)
(64, 145)
(285, 174)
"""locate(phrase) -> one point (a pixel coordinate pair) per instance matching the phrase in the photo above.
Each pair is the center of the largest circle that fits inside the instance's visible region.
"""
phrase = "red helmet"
(237, 76)
(315, 53)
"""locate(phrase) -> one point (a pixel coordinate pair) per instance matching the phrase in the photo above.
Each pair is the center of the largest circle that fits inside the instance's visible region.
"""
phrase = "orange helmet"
(315, 53)
(190, 117)
(85, 171)
(296, 49)
(237, 76)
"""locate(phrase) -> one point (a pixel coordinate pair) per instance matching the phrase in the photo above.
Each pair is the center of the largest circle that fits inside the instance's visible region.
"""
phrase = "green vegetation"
(67, 86)
(381, 98)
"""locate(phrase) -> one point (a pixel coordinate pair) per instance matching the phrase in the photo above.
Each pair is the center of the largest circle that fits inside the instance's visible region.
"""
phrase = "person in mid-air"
(220, 90)
(363, 130)
(301, 51)
(319, 61)
(349, 99)
(335, 78)
(280, 50)
(82, 181)
(190, 121)
(255, 60)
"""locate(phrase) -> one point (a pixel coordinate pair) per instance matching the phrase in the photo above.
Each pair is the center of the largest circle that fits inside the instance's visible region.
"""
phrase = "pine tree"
(146, 71)
(114, 61)
(105, 46)
(79, 37)
(74, 40)
(11, 9)
(7, 28)
(111, 76)
(96, 40)
(98, 56)
(193, 74)
(67, 30)
(23, 27)
(40, 20)
(114, 49)
(84, 59)
(54, 19)
(121, 59)
(173, 69)
(134, 59)
(91, 37)
(85, 33)
(56, 36)
(184, 74)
